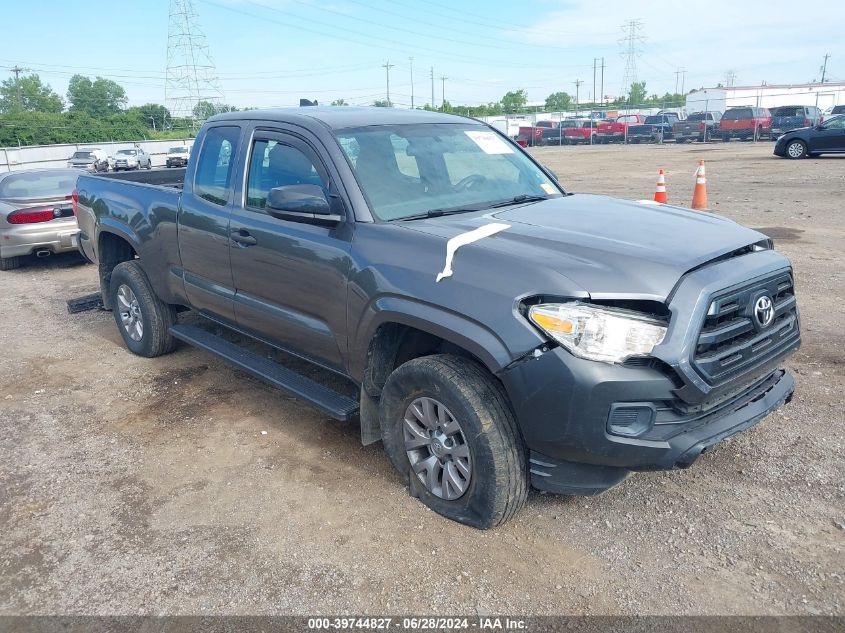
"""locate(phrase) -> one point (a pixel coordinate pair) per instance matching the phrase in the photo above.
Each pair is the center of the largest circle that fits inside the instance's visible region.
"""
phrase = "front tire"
(449, 430)
(142, 319)
(796, 149)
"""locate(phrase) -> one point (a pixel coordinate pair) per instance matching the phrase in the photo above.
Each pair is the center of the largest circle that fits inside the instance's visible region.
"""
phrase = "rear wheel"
(448, 428)
(10, 263)
(796, 149)
(143, 319)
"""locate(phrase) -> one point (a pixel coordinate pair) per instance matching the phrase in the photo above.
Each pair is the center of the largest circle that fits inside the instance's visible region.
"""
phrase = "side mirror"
(301, 203)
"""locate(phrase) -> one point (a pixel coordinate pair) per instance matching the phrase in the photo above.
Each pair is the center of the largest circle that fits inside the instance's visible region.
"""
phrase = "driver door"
(831, 138)
(290, 277)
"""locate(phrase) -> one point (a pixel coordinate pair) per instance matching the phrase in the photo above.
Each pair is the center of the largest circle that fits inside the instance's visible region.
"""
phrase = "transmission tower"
(191, 75)
(631, 42)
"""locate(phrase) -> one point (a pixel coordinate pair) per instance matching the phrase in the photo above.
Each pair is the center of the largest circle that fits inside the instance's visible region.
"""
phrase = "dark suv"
(786, 118)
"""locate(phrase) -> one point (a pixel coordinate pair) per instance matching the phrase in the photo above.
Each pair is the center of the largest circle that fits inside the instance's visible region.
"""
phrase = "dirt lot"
(178, 485)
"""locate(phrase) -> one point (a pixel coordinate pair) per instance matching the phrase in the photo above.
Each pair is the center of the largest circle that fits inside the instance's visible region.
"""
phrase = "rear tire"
(458, 397)
(10, 263)
(142, 319)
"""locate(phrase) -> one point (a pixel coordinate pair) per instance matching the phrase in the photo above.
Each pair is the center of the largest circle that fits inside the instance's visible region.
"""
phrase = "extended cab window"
(273, 164)
(213, 180)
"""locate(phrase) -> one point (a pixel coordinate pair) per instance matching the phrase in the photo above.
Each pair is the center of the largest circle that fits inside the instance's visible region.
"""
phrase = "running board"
(329, 401)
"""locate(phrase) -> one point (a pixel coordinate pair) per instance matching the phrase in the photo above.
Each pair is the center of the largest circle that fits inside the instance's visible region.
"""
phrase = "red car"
(577, 132)
(746, 124)
(609, 132)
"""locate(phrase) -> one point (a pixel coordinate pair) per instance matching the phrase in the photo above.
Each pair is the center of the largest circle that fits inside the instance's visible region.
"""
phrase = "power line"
(191, 74)
(631, 40)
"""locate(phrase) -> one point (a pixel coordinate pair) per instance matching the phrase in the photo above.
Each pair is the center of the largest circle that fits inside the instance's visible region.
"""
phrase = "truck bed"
(173, 177)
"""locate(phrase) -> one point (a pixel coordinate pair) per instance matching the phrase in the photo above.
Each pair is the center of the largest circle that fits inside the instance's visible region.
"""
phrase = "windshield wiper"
(437, 213)
(518, 200)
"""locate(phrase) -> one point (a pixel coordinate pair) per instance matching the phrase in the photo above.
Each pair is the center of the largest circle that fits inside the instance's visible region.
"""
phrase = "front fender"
(455, 328)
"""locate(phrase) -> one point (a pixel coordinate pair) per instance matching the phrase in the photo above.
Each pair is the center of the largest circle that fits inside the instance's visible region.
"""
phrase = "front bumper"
(57, 236)
(176, 162)
(567, 406)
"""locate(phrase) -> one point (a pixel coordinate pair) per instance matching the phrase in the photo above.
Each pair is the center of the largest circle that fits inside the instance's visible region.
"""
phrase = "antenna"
(631, 41)
(191, 74)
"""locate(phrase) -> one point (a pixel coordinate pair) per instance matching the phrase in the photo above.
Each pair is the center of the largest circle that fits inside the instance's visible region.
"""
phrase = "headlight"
(597, 333)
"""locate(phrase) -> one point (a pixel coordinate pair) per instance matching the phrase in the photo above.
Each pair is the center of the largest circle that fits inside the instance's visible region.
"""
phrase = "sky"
(273, 52)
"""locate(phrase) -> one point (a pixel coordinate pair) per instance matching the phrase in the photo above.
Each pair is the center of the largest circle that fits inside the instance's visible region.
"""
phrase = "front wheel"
(143, 319)
(448, 428)
(796, 149)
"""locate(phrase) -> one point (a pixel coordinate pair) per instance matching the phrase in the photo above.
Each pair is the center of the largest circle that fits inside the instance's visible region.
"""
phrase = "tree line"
(94, 110)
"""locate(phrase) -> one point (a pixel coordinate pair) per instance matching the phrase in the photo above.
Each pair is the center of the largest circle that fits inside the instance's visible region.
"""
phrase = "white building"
(823, 95)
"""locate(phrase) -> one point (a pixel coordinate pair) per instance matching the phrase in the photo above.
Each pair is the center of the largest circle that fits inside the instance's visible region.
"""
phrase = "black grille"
(732, 342)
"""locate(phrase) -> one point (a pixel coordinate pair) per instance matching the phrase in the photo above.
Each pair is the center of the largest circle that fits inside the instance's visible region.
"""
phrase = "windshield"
(697, 116)
(54, 183)
(126, 152)
(81, 155)
(655, 119)
(178, 150)
(408, 170)
(788, 111)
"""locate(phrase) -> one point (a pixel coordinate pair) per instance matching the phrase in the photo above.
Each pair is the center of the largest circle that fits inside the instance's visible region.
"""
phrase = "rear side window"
(788, 111)
(737, 114)
(213, 180)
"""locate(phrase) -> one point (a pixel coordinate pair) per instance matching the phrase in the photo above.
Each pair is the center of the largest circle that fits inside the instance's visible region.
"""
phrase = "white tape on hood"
(468, 238)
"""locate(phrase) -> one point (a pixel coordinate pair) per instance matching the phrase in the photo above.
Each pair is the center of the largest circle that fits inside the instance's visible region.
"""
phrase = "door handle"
(243, 238)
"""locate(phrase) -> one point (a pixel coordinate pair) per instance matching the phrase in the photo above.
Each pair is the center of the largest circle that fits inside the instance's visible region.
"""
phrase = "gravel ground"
(180, 486)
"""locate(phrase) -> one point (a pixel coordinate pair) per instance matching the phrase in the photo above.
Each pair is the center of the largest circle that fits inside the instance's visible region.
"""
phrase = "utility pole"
(443, 79)
(595, 59)
(387, 66)
(824, 66)
(18, 70)
(631, 41)
(433, 107)
(602, 81)
(577, 83)
(411, 59)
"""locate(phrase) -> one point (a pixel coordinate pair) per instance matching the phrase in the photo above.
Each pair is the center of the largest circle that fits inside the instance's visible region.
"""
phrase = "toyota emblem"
(764, 312)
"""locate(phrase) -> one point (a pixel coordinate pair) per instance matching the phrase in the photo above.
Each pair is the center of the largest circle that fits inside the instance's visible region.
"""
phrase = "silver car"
(36, 214)
(127, 159)
(93, 159)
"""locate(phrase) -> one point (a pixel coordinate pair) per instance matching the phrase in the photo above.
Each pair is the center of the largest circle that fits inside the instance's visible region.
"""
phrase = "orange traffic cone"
(660, 191)
(699, 194)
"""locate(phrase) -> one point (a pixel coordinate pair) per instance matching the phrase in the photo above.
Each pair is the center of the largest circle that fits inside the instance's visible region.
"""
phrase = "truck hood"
(609, 247)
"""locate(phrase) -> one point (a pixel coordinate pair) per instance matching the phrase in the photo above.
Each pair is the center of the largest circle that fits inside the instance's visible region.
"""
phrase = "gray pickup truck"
(493, 330)
(698, 126)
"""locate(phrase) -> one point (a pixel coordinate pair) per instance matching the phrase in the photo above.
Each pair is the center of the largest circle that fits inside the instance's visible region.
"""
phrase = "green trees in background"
(558, 101)
(28, 94)
(98, 98)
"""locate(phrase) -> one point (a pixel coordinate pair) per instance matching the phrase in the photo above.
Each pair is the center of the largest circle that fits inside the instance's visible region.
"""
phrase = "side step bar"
(337, 405)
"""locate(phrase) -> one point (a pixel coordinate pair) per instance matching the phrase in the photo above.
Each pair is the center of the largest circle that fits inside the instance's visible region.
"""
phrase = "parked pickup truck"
(576, 132)
(617, 131)
(655, 129)
(533, 134)
(493, 330)
(698, 126)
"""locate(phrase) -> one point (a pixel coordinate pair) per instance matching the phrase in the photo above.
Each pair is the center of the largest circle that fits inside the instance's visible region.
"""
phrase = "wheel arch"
(114, 246)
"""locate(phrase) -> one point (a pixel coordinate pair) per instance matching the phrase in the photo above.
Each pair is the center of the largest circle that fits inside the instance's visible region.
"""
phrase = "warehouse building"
(824, 96)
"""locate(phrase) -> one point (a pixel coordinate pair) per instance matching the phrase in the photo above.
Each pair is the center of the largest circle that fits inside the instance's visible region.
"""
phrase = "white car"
(178, 156)
(127, 159)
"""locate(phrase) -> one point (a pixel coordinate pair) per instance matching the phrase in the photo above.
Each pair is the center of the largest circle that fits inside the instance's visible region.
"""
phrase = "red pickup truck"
(533, 134)
(746, 124)
(611, 131)
(579, 132)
